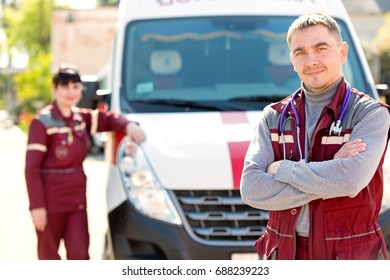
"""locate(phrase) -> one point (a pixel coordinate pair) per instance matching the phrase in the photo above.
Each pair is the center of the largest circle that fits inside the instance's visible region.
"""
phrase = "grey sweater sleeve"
(258, 188)
(345, 176)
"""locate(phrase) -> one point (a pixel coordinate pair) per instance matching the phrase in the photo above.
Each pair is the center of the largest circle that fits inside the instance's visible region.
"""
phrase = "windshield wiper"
(213, 105)
(183, 103)
(267, 98)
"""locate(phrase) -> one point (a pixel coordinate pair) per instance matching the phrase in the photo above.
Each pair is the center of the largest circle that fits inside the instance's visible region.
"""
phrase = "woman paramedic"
(316, 159)
(58, 142)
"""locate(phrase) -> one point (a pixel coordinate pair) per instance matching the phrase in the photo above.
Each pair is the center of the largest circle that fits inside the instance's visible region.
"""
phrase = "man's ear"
(292, 62)
(344, 51)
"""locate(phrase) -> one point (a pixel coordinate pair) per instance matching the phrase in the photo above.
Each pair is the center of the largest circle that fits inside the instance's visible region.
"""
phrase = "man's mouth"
(314, 72)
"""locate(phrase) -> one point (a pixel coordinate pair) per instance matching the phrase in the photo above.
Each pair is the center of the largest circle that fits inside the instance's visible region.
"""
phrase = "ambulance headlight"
(141, 185)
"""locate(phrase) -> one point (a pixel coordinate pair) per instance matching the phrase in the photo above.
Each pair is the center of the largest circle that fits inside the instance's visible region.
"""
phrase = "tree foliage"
(32, 22)
(34, 86)
(29, 29)
(382, 40)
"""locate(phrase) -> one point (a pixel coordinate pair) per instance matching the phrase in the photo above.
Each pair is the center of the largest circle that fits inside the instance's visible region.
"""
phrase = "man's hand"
(39, 217)
(273, 167)
(351, 149)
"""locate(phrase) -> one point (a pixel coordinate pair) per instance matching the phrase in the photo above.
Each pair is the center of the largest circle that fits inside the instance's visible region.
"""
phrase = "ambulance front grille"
(220, 216)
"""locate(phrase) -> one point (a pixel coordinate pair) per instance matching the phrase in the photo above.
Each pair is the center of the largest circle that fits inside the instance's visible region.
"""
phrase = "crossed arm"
(349, 149)
(280, 185)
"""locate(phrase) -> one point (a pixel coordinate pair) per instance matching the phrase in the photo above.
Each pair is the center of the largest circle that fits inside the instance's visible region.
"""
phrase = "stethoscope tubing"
(345, 102)
(282, 119)
(298, 121)
(284, 112)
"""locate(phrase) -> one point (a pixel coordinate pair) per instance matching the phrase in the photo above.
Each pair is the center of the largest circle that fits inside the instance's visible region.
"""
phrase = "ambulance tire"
(106, 250)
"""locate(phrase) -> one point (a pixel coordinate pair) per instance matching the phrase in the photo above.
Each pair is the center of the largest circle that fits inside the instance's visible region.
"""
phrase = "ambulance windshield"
(240, 62)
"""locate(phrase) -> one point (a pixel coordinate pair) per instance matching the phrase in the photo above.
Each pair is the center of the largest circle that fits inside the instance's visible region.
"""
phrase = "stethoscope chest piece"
(335, 128)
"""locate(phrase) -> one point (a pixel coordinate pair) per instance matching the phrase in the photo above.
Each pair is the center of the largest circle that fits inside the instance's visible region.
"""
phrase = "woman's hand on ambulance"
(39, 217)
(351, 149)
(135, 133)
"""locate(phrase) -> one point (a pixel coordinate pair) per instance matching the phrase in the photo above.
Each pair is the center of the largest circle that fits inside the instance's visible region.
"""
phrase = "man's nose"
(311, 59)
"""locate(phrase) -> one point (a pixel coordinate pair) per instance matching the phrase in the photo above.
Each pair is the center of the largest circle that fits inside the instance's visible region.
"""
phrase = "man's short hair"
(312, 19)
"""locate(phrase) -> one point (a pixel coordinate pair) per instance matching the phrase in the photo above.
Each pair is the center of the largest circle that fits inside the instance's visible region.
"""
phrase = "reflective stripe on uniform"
(276, 138)
(352, 236)
(36, 147)
(65, 129)
(279, 233)
(332, 140)
(54, 130)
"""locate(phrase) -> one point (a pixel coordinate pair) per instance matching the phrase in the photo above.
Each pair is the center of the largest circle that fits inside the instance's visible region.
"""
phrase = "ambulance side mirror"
(384, 91)
(105, 95)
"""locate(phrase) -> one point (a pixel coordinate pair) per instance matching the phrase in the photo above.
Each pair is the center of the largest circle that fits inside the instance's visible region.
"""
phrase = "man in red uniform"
(58, 143)
(315, 161)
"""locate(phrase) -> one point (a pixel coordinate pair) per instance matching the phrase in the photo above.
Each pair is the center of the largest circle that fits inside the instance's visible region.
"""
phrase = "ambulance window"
(215, 59)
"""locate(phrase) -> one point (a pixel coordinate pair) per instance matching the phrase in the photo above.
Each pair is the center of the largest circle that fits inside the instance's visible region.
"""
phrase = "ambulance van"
(196, 75)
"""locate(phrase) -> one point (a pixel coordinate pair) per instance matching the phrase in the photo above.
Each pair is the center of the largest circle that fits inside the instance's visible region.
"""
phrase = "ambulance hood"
(198, 150)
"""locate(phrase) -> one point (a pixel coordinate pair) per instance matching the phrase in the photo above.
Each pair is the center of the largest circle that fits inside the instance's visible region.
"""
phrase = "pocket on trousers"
(267, 247)
(366, 250)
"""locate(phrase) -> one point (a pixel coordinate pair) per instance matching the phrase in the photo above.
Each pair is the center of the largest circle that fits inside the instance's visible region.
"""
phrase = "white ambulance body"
(196, 74)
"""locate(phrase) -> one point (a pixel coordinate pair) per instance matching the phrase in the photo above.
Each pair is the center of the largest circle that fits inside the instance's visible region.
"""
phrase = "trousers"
(302, 249)
(72, 227)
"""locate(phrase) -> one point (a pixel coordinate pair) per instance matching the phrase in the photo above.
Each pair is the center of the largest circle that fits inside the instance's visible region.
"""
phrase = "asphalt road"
(17, 237)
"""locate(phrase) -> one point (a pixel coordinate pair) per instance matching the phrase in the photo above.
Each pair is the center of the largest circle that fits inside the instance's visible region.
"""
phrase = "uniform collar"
(334, 105)
(298, 100)
(57, 112)
(338, 98)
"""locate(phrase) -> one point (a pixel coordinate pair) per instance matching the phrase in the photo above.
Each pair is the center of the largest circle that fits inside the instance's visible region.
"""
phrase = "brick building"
(83, 38)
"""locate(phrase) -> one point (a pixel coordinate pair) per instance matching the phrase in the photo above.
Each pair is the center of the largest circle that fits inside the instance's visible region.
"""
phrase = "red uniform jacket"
(340, 228)
(57, 147)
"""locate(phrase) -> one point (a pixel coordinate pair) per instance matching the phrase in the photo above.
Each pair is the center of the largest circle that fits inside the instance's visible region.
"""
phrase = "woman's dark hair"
(66, 74)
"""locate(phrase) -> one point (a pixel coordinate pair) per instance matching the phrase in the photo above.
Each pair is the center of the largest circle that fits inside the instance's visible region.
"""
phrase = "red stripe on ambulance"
(237, 152)
(237, 149)
(234, 117)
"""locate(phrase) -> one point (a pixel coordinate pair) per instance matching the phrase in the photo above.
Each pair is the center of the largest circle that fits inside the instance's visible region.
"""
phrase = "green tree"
(382, 40)
(28, 29)
(34, 85)
(30, 25)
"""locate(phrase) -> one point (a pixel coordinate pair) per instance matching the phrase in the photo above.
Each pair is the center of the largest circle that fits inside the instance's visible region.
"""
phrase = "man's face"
(317, 56)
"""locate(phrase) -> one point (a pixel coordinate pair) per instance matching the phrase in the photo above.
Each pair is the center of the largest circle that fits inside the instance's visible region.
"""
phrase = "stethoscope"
(335, 127)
